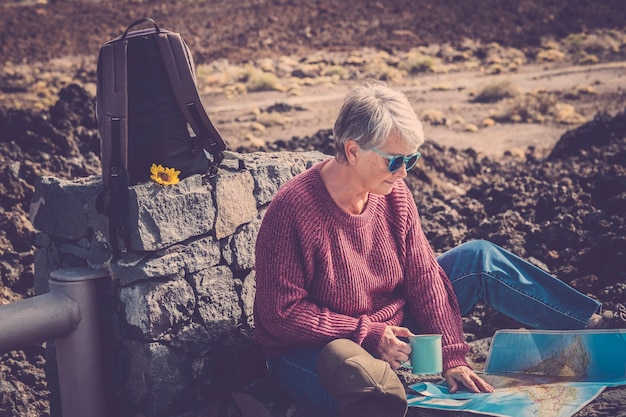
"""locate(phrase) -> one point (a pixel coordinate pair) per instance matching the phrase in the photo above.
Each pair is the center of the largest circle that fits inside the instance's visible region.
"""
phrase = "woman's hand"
(467, 377)
(393, 350)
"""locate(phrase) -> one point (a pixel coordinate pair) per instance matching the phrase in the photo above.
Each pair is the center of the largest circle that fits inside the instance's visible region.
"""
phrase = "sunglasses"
(396, 161)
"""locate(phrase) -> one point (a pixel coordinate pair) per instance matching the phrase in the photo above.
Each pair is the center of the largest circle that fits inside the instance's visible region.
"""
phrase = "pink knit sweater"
(323, 274)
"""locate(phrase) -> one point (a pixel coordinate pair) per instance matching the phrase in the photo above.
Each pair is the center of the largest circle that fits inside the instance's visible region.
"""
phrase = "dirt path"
(316, 107)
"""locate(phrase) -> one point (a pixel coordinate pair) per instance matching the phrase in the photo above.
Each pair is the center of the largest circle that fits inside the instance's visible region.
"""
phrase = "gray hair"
(370, 113)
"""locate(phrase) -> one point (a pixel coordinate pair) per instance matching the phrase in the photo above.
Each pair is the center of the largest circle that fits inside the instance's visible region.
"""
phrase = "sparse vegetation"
(433, 116)
(529, 108)
(263, 81)
(268, 119)
(578, 92)
(416, 62)
(496, 91)
(337, 70)
(550, 55)
(537, 108)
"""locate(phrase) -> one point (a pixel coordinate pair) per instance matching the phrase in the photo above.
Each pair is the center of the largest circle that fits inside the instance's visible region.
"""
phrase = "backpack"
(147, 107)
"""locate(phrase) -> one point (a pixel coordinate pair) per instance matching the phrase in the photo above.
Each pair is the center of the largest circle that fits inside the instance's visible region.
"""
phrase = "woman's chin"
(385, 188)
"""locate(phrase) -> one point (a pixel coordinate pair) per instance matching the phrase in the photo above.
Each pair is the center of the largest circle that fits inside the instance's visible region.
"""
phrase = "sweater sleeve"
(430, 294)
(284, 314)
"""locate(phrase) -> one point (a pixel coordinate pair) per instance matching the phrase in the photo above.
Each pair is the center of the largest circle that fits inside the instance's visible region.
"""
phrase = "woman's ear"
(352, 149)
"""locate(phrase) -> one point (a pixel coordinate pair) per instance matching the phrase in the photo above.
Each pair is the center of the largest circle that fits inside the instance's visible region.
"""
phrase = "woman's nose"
(401, 172)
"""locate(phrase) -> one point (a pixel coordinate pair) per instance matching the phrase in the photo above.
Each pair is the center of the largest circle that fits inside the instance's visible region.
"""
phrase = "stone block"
(235, 202)
(160, 216)
(154, 308)
(218, 301)
(156, 379)
(239, 249)
(190, 257)
(271, 170)
(60, 207)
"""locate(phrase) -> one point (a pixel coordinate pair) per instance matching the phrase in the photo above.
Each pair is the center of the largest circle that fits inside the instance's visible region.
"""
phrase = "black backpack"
(148, 106)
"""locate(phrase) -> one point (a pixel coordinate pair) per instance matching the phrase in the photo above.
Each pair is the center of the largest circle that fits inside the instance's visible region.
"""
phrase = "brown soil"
(557, 53)
(66, 36)
(252, 29)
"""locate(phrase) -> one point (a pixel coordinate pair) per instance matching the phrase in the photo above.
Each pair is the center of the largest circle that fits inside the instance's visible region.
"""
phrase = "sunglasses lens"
(412, 161)
(396, 163)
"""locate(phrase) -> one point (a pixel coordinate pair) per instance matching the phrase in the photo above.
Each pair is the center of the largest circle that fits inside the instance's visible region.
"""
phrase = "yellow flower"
(164, 176)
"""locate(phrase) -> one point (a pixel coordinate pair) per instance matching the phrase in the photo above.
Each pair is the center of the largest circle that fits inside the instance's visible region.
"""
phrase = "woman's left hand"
(468, 378)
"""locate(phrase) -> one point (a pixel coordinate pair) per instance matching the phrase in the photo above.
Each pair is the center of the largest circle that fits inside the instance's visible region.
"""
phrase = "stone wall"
(177, 311)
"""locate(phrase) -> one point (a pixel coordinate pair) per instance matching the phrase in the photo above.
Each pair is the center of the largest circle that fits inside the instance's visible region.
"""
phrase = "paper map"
(538, 373)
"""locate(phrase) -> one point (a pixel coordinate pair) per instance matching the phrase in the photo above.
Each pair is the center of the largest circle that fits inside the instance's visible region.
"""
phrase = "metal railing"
(69, 315)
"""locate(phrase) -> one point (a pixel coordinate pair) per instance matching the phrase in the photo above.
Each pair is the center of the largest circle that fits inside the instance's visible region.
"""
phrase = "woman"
(341, 255)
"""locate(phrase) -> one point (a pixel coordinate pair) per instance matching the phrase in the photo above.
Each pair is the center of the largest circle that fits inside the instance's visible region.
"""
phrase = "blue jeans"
(479, 271)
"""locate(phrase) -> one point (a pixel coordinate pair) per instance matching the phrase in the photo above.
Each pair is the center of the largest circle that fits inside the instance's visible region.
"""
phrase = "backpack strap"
(112, 115)
(112, 112)
(180, 70)
(118, 193)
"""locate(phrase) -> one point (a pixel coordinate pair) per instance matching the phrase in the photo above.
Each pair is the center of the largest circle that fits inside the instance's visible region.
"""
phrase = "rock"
(235, 202)
(160, 216)
(136, 267)
(154, 308)
(154, 369)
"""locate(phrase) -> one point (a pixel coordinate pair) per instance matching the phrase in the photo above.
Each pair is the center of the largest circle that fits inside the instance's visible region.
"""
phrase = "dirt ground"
(273, 70)
(251, 29)
(47, 45)
(318, 106)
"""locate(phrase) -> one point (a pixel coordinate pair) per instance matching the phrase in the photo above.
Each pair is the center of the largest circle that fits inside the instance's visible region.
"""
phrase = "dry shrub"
(488, 122)
(272, 119)
(550, 55)
(566, 114)
(594, 43)
(496, 58)
(307, 70)
(433, 116)
(266, 64)
(529, 108)
(575, 93)
(338, 71)
(415, 62)
(257, 127)
(218, 74)
(382, 71)
(495, 69)
(536, 108)
(444, 86)
(263, 81)
(235, 89)
(254, 141)
(452, 55)
(496, 91)
(585, 48)
(586, 59)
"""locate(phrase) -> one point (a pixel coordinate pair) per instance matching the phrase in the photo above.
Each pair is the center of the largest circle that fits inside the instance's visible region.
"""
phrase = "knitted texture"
(323, 274)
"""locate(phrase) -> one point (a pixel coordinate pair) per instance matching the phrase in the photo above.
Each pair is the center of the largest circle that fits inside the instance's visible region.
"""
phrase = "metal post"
(68, 314)
(79, 353)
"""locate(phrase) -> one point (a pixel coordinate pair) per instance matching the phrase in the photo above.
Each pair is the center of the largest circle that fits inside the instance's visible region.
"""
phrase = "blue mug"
(426, 354)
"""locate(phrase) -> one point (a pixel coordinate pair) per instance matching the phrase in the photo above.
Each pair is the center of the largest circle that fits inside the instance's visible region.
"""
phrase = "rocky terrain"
(561, 205)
